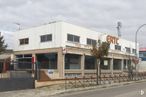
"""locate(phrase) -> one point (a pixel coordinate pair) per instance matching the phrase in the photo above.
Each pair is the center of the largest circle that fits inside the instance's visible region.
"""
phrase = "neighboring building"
(64, 50)
(142, 56)
(5, 59)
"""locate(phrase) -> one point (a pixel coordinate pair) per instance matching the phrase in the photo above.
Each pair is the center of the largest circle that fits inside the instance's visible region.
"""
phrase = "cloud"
(100, 15)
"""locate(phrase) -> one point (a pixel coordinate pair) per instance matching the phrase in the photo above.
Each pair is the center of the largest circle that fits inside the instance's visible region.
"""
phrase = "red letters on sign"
(112, 39)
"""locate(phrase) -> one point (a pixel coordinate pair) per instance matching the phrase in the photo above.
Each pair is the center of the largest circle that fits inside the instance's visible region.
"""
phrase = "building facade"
(63, 50)
(142, 56)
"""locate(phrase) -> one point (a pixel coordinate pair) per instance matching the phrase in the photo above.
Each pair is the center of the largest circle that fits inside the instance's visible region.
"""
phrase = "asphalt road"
(131, 90)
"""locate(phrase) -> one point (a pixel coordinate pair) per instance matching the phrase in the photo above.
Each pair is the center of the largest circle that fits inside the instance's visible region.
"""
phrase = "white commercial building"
(64, 49)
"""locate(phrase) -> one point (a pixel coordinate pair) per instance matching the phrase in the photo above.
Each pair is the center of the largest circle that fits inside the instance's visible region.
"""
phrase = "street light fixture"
(136, 54)
(136, 37)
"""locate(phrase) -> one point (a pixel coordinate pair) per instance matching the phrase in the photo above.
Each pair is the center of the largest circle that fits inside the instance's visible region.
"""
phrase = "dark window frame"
(118, 47)
(73, 38)
(128, 49)
(91, 41)
(46, 38)
(24, 41)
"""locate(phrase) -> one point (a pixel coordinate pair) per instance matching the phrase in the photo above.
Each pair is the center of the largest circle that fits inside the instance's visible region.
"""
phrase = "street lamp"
(136, 41)
(136, 37)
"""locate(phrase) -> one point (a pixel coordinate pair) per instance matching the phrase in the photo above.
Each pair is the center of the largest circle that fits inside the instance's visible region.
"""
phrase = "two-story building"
(64, 49)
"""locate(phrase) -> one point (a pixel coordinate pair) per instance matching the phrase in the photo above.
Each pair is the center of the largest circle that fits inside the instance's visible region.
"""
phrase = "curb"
(100, 87)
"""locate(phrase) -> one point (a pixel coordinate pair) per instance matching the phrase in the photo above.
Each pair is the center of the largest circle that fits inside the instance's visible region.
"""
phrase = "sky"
(98, 15)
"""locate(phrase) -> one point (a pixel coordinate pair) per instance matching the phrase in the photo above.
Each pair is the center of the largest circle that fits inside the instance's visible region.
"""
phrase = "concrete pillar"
(122, 65)
(82, 64)
(111, 66)
(60, 63)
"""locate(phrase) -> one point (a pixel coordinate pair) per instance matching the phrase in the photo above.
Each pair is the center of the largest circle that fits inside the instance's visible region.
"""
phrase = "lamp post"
(136, 54)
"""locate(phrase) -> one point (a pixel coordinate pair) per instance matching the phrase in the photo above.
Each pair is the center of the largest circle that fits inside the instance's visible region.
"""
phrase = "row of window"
(72, 38)
(75, 38)
(128, 50)
(43, 38)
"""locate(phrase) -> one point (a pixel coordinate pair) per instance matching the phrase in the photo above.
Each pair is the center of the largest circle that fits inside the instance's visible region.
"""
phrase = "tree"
(3, 46)
(99, 51)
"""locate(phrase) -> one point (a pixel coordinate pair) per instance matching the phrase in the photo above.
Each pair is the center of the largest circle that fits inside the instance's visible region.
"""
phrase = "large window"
(73, 38)
(91, 41)
(117, 63)
(128, 50)
(72, 61)
(24, 41)
(45, 38)
(118, 47)
(90, 62)
(24, 61)
(47, 60)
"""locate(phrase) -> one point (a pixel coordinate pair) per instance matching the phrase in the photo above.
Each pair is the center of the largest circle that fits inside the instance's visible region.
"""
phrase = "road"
(131, 90)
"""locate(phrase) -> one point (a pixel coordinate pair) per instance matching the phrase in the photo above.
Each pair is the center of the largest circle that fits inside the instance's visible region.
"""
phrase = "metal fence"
(16, 79)
(103, 79)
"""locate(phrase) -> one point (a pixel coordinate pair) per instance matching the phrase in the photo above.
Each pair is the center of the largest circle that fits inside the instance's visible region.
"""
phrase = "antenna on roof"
(119, 26)
(18, 25)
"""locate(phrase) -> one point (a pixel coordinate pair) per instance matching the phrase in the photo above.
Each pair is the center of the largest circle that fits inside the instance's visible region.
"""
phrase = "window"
(117, 47)
(24, 41)
(91, 41)
(134, 51)
(24, 61)
(117, 63)
(72, 61)
(90, 62)
(45, 38)
(73, 38)
(47, 60)
(128, 50)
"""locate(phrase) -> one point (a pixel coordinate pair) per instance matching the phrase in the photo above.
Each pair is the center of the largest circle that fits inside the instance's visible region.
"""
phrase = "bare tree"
(99, 50)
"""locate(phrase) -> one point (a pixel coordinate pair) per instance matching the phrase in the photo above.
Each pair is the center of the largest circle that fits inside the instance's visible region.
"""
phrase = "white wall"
(79, 31)
(59, 31)
(34, 37)
(122, 42)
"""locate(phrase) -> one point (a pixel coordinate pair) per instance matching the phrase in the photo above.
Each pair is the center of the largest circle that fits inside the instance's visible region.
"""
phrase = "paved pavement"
(131, 90)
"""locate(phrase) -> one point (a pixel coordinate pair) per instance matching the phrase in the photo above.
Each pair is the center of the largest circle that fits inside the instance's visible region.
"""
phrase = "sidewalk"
(48, 91)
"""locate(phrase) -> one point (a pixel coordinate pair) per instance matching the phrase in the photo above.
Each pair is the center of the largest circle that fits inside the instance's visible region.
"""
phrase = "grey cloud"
(100, 15)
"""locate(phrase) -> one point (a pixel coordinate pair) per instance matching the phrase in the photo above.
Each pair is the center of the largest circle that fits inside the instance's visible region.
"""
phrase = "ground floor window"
(24, 61)
(126, 64)
(90, 62)
(105, 64)
(117, 63)
(47, 60)
(72, 61)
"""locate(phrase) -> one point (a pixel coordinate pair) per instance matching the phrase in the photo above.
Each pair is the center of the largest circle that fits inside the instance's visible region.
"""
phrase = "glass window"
(128, 50)
(72, 61)
(117, 63)
(133, 51)
(76, 38)
(24, 61)
(23, 41)
(73, 38)
(45, 38)
(91, 41)
(118, 47)
(47, 60)
(90, 62)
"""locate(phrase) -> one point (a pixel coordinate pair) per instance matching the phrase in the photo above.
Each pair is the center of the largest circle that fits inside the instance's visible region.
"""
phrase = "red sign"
(112, 39)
